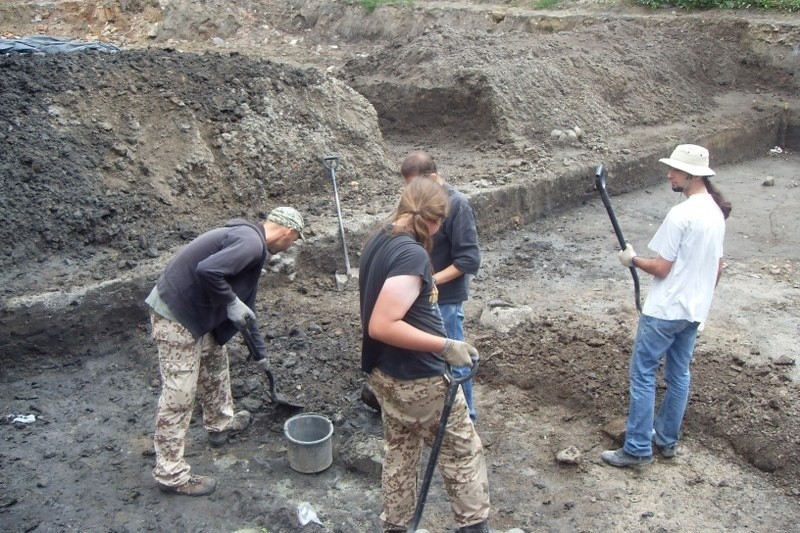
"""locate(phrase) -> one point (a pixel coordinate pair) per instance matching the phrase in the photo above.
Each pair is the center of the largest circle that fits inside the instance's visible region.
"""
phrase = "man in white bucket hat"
(685, 271)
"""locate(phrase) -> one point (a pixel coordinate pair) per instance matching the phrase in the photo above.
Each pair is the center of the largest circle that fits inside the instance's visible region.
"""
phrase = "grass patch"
(762, 5)
(370, 5)
(544, 4)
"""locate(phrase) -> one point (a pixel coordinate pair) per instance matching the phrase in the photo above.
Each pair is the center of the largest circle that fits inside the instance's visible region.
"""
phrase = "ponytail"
(422, 201)
(724, 205)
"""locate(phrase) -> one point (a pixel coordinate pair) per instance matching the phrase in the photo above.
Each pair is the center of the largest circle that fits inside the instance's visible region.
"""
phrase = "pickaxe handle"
(600, 183)
(450, 397)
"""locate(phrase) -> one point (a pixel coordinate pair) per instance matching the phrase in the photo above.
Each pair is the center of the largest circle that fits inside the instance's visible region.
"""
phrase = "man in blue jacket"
(205, 295)
(456, 256)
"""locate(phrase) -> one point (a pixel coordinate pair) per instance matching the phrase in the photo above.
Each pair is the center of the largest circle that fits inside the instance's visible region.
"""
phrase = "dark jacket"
(456, 243)
(209, 272)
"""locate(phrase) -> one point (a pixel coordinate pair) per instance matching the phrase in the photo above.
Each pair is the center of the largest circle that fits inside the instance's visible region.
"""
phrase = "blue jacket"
(456, 243)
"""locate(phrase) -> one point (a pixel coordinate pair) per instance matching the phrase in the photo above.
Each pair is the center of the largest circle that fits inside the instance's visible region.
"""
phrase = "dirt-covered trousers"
(188, 367)
(411, 410)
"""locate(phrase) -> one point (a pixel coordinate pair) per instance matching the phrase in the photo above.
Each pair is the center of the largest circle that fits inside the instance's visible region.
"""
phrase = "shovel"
(449, 398)
(600, 183)
(277, 397)
(331, 163)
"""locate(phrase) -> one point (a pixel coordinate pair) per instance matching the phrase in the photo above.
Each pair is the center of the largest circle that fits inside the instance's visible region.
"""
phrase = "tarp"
(49, 45)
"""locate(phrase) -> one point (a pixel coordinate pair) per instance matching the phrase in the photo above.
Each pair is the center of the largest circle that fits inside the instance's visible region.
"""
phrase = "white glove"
(459, 353)
(239, 313)
(626, 256)
(264, 363)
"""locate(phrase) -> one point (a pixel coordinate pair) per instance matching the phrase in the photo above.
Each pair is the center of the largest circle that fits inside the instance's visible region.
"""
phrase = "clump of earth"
(216, 110)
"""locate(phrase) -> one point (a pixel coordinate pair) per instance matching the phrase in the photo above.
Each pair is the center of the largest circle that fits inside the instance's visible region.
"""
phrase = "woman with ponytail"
(404, 352)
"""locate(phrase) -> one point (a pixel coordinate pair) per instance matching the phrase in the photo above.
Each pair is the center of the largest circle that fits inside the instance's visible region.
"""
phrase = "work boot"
(622, 458)
(480, 527)
(369, 398)
(239, 422)
(195, 486)
(667, 452)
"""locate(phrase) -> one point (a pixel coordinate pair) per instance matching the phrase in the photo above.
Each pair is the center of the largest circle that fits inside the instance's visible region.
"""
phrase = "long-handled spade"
(450, 397)
(600, 183)
(331, 163)
(277, 398)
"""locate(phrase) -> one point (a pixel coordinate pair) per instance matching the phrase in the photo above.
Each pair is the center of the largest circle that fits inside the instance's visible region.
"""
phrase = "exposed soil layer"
(215, 110)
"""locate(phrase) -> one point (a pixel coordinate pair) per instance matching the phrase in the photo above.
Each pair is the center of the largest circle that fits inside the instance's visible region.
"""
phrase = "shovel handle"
(600, 183)
(448, 371)
(250, 342)
(251, 347)
(330, 162)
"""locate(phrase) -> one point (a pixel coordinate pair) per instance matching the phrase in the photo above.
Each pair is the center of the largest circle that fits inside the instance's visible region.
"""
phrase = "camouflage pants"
(188, 368)
(411, 411)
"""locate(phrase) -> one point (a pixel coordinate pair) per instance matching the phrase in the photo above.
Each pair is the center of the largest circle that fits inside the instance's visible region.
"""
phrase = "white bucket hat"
(690, 158)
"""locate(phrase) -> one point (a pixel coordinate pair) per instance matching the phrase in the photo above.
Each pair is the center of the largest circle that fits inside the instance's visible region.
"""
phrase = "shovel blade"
(341, 279)
(281, 400)
(278, 398)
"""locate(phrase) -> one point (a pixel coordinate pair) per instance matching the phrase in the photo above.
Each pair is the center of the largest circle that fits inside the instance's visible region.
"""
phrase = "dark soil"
(109, 162)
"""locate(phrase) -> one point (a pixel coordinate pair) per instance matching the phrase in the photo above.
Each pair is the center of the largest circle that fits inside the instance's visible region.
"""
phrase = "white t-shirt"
(691, 237)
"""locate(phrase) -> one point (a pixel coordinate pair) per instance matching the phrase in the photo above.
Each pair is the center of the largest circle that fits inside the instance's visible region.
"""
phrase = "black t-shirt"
(383, 257)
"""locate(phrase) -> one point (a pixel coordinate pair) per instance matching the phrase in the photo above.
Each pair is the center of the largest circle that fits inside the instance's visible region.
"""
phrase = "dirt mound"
(112, 158)
(516, 87)
(217, 109)
(589, 364)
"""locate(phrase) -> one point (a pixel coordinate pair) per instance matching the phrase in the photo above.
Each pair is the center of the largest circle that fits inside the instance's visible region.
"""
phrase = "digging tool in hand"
(600, 183)
(331, 163)
(449, 398)
(277, 398)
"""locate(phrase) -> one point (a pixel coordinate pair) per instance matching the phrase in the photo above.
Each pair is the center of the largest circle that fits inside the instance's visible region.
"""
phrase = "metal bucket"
(310, 447)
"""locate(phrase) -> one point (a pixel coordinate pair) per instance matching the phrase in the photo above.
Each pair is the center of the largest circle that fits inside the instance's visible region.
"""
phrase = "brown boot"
(240, 421)
(196, 486)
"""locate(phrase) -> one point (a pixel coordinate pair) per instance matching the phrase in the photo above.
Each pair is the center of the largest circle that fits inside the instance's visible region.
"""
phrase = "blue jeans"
(453, 317)
(657, 339)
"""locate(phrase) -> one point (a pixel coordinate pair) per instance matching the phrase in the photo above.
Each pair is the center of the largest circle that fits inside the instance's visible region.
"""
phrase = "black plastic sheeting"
(50, 45)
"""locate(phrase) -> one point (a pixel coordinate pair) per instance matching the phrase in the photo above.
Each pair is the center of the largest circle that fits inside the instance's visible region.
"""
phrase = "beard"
(677, 188)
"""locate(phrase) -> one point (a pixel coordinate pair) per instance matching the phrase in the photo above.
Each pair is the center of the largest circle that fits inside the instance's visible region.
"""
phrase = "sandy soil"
(218, 109)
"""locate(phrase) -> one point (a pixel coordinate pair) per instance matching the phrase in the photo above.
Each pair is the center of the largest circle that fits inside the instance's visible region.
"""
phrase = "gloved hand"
(239, 313)
(626, 256)
(263, 362)
(459, 353)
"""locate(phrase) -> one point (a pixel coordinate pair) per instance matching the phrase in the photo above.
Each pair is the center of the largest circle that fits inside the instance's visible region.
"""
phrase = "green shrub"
(544, 4)
(772, 5)
(370, 5)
